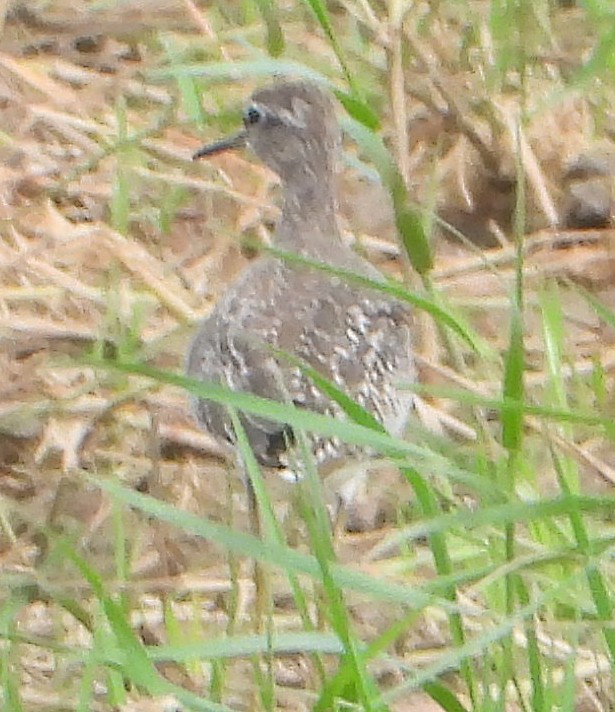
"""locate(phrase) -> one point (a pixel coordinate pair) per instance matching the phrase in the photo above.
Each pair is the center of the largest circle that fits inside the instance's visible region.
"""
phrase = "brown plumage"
(358, 338)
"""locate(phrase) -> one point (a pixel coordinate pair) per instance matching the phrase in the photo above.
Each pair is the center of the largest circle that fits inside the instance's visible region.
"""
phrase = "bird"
(355, 336)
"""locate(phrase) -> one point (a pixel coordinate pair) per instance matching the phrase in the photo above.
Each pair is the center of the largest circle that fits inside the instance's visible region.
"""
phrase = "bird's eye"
(252, 115)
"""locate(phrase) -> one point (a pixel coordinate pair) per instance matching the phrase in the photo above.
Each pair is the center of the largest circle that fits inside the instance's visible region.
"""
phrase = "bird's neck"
(308, 223)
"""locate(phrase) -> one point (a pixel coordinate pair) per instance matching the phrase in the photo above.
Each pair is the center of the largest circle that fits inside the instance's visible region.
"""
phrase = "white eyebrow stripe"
(281, 115)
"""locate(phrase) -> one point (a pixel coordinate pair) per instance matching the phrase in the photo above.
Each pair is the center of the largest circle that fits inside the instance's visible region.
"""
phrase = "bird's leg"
(262, 600)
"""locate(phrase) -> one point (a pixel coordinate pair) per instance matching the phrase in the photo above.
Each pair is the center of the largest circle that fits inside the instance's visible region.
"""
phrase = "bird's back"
(357, 338)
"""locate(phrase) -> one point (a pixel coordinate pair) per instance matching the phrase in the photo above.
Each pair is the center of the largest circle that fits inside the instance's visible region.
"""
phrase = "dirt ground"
(113, 241)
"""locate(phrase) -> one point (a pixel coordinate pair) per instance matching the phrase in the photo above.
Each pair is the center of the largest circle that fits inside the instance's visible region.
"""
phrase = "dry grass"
(112, 240)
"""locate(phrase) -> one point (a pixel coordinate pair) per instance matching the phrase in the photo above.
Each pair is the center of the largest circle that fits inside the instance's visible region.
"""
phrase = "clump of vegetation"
(478, 173)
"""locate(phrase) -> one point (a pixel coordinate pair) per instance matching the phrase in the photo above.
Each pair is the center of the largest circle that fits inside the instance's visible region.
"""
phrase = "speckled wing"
(358, 339)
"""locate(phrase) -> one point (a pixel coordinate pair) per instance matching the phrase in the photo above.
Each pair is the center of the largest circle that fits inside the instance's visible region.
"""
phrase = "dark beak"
(238, 140)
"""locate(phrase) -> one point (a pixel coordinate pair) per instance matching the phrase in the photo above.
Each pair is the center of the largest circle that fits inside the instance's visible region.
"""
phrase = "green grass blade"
(409, 223)
(245, 646)
(135, 662)
(353, 410)
(283, 413)
(321, 13)
(444, 697)
(269, 552)
(188, 88)
(600, 591)
(275, 36)
(393, 289)
(358, 110)
(500, 404)
(513, 390)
